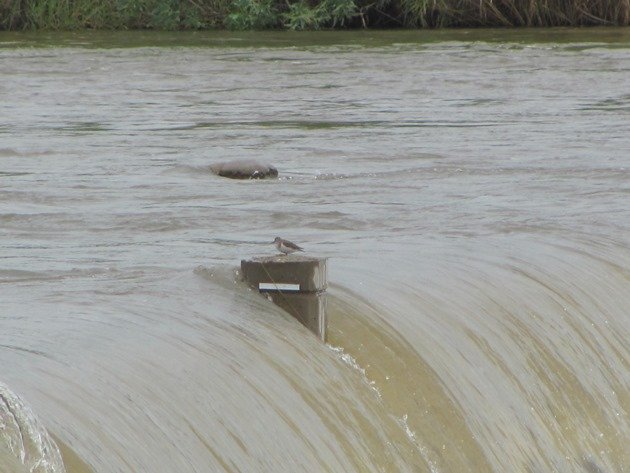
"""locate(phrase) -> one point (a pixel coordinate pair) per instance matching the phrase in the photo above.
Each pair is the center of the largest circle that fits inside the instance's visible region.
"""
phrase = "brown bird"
(286, 246)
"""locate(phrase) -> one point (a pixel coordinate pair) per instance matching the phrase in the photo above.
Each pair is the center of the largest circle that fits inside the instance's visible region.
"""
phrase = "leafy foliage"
(302, 17)
(306, 14)
(112, 14)
(252, 15)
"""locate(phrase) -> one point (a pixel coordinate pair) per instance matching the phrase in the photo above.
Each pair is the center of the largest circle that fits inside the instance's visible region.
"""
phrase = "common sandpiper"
(286, 246)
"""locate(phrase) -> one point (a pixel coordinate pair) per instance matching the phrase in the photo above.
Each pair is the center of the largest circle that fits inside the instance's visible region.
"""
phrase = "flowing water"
(471, 188)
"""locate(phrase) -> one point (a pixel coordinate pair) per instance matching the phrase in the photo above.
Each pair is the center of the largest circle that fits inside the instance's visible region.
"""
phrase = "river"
(471, 189)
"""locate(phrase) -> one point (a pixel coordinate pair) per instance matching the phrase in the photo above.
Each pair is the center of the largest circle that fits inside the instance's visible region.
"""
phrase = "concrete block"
(309, 309)
(304, 273)
(296, 283)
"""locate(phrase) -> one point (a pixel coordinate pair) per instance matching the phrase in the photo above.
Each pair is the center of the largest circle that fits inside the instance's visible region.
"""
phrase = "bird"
(286, 246)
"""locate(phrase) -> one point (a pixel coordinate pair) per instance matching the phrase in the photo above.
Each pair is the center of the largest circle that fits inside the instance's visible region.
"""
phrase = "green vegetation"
(112, 14)
(306, 14)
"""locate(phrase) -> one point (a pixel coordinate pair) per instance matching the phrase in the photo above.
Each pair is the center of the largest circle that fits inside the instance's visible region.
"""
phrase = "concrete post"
(294, 282)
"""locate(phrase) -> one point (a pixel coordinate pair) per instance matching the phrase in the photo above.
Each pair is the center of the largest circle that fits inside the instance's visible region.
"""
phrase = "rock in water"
(244, 169)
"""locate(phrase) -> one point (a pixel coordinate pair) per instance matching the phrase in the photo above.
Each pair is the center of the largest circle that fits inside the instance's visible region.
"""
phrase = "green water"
(366, 38)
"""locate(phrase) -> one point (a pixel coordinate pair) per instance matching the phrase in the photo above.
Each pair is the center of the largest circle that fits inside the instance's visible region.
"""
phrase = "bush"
(306, 14)
(252, 15)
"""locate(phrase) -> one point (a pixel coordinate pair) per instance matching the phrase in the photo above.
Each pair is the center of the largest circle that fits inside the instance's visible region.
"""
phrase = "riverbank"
(307, 15)
(106, 39)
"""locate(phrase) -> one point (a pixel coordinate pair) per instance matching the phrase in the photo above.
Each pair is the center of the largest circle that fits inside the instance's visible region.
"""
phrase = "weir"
(294, 282)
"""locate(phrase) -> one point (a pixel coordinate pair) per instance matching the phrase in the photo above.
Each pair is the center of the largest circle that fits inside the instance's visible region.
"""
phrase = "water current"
(471, 189)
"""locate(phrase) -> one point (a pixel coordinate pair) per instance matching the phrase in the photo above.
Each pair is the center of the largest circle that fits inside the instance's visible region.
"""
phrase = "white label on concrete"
(269, 286)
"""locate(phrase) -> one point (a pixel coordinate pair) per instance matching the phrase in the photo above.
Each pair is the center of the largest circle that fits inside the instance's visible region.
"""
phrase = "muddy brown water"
(471, 189)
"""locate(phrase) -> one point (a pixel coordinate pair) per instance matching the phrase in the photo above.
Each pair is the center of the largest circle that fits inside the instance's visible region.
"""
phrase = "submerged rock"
(244, 169)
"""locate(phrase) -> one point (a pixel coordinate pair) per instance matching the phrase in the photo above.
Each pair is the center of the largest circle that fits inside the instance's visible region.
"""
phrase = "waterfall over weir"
(469, 189)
